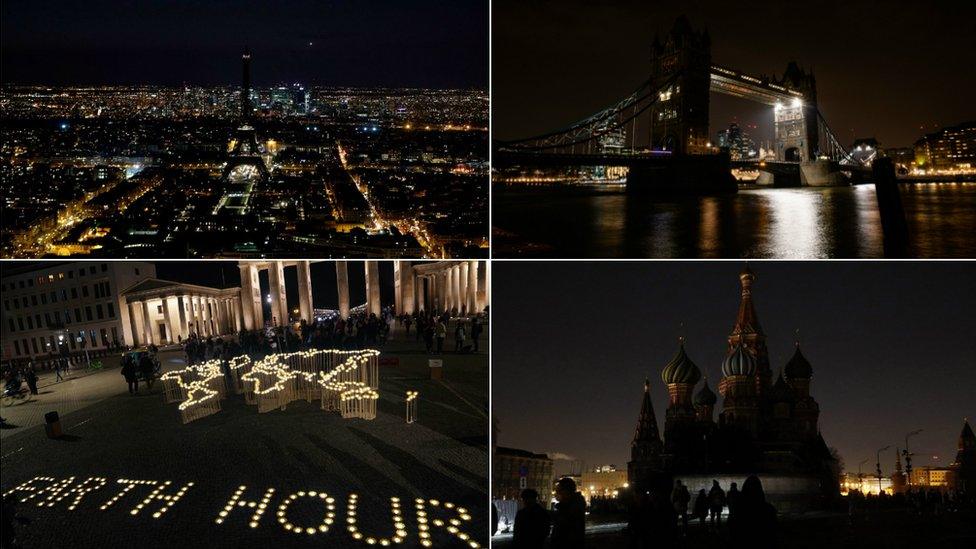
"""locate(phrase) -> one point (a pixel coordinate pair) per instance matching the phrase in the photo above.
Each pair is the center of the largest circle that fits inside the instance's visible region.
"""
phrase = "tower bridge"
(663, 123)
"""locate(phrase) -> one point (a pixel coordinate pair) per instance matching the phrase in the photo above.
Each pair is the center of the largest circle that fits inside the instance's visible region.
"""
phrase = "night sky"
(424, 43)
(891, 345)
(892, 70)
(226, 274)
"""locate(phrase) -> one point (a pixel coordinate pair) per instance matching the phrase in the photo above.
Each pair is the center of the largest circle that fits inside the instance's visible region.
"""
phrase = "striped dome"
(740, 362)
(681, 369)
(798, 367)
(705, 396)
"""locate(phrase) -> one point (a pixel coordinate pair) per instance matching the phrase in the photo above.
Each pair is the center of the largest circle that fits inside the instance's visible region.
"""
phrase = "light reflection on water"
(761, 223)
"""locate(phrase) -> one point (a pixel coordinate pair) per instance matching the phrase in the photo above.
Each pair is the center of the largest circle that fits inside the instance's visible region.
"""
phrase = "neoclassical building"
(164, 311)
(764, 426)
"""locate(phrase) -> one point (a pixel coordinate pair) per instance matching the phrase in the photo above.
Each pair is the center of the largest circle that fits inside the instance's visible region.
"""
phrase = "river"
(834, 222)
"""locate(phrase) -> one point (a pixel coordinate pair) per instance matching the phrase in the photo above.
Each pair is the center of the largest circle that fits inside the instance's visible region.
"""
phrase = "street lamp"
(908, 456)
(879, 467)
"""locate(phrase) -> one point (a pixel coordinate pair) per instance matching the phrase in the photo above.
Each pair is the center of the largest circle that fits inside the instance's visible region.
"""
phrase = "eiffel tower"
(244, 160)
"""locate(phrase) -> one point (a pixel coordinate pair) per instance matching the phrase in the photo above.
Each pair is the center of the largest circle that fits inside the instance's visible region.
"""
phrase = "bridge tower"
(796, 125)
(680, 118)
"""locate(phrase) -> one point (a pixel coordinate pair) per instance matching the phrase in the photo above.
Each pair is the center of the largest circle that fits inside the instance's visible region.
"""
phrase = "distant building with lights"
(865, 150)
(603, 481)
(738, 143)
(765, 427)
(932, 477)
(947, 149)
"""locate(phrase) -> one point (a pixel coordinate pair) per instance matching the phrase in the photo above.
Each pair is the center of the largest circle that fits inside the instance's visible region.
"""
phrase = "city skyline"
(372, 44)
(562, 341)
(544, 52)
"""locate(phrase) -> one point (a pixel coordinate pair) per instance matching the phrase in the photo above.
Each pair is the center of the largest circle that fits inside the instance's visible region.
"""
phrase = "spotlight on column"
(778, 106)
(797, 103)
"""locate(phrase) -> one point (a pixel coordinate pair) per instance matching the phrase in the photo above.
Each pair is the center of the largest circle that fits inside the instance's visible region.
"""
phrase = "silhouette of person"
(569, 520)
(532, 522)
(701, 506)
(752, 524)
(680, 497)
(716, 502)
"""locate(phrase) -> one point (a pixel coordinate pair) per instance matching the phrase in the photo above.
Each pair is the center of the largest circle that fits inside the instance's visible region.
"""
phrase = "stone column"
(342, 285)
(251, 304)
(449, 294)
(135, 318)
(463, 288)
(197, 315)
(238, 313)
(279, 297)
(442, 291)
(482, 296)
(419, 286)
(147, 323)
(181, 309)
(373, 288)
(305, 306)
(457, 287)
(171, 314)
(403, 281)
(472, 294)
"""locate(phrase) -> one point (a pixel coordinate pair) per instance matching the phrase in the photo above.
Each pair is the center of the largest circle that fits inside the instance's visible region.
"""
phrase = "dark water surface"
(839, 222)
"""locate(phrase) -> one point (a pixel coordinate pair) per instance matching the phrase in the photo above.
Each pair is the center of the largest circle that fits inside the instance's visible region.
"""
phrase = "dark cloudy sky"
(434, 43)
(891, 346)
(893, 70)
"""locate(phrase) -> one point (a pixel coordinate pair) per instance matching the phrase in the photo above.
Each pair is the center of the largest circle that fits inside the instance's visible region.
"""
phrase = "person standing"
(475, 333)
(701, 507)
(57, 370)
(716, 502)
(130, 375)
(752, 523)
(459, 338)
(532, 522)
(441, 332)
(31, 377)
(569, 520)
(680, 498)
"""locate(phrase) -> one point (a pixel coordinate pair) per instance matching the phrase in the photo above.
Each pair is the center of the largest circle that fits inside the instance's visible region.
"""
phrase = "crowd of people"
(919, 500)
(658, 518)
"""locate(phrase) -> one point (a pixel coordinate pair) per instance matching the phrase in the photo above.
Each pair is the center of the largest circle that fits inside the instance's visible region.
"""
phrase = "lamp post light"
(908, 457)
(879, 467)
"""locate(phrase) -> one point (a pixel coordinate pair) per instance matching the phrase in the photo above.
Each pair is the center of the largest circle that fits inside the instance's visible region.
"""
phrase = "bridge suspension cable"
(596, 133)
(830, 146)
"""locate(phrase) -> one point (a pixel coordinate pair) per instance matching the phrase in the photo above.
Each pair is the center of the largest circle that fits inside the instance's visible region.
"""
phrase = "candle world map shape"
(345, 381)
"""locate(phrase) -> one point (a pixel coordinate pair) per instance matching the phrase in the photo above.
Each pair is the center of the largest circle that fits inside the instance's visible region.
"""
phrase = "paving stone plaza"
(298, 477)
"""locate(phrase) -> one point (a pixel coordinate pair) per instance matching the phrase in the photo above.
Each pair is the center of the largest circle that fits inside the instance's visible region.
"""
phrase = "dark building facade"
(766, 425)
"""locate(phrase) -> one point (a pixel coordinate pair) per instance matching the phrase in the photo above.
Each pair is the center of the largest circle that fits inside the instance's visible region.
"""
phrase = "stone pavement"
(113, 436)
(894, 528)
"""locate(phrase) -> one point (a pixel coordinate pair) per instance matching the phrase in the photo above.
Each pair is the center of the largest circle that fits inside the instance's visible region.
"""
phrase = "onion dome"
(740, 362)
(798, 367)
(781, 391)
(681, 369)
(705, 396)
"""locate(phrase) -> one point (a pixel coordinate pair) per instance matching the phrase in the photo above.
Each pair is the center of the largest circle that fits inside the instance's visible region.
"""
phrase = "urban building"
(65, 308)
(604, 481)
(738, 143)
(932, 477)
(764, 427)
(948, 149)
(515, 470)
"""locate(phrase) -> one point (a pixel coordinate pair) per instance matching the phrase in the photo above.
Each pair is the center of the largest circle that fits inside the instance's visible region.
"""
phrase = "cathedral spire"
(647, 422)
(746, 321)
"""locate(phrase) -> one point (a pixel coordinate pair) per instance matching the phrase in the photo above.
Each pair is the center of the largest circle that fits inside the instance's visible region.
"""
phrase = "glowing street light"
(797, 103)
